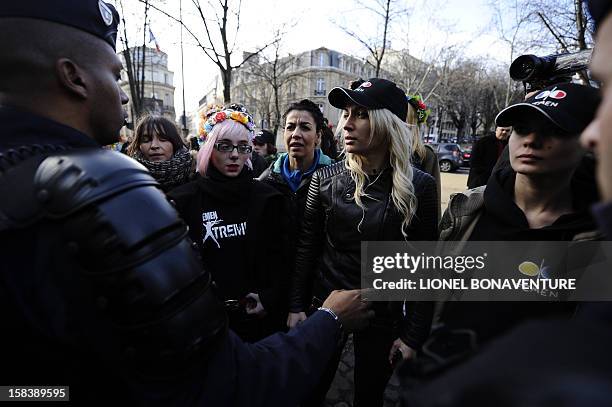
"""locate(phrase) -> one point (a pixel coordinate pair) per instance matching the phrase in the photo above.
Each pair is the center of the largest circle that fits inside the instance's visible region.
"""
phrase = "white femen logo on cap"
(553, 93)
(363, 86)
(106, 13)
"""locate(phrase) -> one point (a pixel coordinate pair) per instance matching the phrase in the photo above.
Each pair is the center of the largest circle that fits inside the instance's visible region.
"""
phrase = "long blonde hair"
(399, 137)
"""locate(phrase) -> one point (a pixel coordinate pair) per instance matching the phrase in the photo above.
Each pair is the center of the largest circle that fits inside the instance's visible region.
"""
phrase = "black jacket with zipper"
(329, 248)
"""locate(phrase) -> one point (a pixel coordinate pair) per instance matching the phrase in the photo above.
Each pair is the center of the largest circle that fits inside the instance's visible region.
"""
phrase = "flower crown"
(237, 113)
(422, 111)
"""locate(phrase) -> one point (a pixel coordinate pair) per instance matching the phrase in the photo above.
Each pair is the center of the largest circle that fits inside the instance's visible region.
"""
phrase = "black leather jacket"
(329, 248)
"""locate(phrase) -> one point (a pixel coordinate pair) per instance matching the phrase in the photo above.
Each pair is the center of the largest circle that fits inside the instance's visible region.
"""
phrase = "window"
(290, 90)
(321, 59)
(320, 89)
(166, 79)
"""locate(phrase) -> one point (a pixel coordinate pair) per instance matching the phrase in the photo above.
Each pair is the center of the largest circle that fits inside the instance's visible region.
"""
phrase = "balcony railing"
(320, 92)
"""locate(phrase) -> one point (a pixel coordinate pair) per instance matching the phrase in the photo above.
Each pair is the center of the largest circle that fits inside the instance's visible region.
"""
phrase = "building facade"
(158, 97)
(308, 75)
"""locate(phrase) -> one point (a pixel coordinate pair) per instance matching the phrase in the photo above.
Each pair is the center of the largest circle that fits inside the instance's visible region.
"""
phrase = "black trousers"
(372, 368)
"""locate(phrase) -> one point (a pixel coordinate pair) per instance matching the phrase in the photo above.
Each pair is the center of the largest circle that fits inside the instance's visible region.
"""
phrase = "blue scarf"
(294, 178)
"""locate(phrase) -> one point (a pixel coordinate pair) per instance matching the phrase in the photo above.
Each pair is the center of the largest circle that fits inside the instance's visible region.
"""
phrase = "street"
(452, 182)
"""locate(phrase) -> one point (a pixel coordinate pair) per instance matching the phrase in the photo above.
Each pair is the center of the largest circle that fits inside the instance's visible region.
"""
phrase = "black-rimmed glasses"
(228, 148)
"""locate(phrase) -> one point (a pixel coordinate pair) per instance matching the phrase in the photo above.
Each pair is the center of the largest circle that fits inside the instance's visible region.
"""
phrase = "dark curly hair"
(310, 107)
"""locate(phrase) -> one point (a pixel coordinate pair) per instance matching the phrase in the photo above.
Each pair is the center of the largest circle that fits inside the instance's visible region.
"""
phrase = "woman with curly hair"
(158, 146)
(373, 195)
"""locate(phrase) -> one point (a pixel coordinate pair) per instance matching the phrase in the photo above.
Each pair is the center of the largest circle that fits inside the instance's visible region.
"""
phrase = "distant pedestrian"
(485, 154)
(264, 144)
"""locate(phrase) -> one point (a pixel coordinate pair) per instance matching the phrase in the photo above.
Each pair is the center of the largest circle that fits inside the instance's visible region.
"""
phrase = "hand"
(530, 94)
(350, 307)
(295, 318)
(406, 351)
(254, 307)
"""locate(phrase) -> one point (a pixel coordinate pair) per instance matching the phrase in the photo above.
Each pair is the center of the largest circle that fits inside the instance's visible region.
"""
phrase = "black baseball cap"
(93, 16)
(599, 10)
(568, 105)
(264, 137)
(375, 93)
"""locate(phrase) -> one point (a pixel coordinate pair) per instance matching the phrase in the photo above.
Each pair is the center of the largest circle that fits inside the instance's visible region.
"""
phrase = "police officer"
(100, 288)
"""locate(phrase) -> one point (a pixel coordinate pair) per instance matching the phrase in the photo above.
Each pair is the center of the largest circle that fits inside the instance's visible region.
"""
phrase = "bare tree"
(563, 24)
(218, 42)
(276, 73)
(472, 94)
(135, 63)
(511, 19)
(421, 77)
(385, 11)
(259, 101)
(541, 26)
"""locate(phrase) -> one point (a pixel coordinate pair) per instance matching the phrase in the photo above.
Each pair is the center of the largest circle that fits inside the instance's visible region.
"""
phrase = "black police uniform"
(100, 287)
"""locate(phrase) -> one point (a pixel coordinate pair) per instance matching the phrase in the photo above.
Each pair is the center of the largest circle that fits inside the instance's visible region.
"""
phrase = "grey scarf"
(171, 173)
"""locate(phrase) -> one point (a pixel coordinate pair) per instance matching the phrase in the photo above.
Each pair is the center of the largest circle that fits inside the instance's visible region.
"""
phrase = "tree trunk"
(227, 85)
(134, 85)
(276, 112)
(580, 24)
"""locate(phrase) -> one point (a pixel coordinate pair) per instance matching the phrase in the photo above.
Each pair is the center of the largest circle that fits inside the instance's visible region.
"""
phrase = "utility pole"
(184, 118)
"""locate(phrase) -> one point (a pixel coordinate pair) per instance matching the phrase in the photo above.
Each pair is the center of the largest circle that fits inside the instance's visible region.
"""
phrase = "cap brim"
(341, 98)
(512, 114)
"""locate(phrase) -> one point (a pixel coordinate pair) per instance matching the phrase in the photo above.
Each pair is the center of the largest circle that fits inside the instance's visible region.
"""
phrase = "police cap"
(93, 16)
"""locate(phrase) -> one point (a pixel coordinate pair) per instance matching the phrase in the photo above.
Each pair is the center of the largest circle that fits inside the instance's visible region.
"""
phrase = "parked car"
(450, 156)
(466, 155)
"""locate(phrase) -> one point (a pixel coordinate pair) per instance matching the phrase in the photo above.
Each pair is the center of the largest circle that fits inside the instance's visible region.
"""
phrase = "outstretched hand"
(351, 307)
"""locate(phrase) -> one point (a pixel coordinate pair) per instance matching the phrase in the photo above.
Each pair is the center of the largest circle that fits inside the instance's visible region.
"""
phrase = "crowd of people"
(231, 276)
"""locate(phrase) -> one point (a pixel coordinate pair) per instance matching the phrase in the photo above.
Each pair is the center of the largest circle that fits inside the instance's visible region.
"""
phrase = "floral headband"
(422, 111)
(233, 112)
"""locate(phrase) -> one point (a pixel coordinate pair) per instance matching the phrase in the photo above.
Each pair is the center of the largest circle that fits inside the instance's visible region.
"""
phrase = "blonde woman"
(423, 155)
(373, 195)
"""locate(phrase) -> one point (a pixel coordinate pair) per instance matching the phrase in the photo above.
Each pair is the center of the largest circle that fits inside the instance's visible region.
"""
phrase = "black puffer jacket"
(329, 249)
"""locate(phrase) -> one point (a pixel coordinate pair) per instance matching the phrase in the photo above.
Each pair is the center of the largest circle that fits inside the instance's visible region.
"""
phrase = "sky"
(424, 28)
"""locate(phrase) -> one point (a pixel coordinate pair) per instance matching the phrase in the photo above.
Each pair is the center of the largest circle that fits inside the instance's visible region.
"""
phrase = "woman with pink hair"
(236, 223)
